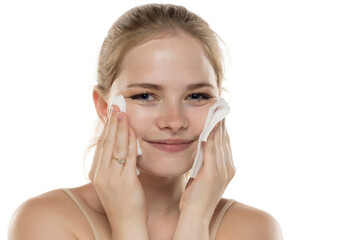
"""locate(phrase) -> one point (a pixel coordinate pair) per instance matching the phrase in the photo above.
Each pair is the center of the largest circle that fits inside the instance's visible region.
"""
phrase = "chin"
(164, 166)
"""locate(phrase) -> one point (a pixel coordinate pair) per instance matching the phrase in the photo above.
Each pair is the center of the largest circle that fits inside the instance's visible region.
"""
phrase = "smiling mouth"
(171, 145)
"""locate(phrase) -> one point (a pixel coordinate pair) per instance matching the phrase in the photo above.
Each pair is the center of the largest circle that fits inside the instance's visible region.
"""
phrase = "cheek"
(140, 117)
(197, 118)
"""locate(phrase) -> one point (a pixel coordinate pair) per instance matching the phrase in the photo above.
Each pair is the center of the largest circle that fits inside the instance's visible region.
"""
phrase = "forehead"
(174, 60)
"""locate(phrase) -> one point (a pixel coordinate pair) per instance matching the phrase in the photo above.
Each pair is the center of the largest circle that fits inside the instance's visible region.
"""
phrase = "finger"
(230, 166)
(226, 134)
(209, 152)
(220, 164)
(121, 146)
(108, 141)
(228, 143)
(130, 166)
(223, 131)
(221, 128)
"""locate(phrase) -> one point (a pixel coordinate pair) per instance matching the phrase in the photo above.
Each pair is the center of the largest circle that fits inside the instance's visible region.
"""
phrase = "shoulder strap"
(87, 216)
(219, 218)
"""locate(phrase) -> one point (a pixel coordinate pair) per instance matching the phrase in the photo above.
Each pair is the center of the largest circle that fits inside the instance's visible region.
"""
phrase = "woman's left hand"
(203, 193)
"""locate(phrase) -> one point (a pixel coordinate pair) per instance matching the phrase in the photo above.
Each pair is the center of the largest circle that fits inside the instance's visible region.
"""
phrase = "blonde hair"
(145, 23)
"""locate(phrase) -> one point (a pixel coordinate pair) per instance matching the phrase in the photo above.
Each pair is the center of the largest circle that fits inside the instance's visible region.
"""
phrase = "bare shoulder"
(245, 222)
(43, 217)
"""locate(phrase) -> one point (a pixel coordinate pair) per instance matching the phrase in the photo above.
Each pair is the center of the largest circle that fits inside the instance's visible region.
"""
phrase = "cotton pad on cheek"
(121, 103)
(216, 113)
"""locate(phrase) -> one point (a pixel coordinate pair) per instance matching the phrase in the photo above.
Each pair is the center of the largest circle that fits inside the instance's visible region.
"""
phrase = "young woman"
(166, 62)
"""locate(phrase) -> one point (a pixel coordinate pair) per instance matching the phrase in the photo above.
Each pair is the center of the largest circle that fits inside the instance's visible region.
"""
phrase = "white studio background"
(294, 90)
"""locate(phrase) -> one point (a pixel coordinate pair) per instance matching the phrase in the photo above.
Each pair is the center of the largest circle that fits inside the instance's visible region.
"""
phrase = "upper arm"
(253, 224)
(38, 219)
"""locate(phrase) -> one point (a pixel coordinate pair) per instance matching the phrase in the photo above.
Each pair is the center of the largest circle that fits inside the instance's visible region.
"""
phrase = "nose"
(172, 117)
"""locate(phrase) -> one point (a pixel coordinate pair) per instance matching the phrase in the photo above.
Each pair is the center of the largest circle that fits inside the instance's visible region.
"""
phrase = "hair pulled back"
(148, 22)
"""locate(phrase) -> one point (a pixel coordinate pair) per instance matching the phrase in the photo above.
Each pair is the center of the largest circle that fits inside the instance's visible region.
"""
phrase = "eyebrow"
(158, 87)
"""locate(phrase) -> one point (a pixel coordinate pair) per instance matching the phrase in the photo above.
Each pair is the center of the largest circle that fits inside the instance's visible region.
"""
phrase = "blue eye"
(196, 97)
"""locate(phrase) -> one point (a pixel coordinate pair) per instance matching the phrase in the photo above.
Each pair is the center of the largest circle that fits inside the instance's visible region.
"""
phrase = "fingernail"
(116, 108)
(120, 116)
(111, 111)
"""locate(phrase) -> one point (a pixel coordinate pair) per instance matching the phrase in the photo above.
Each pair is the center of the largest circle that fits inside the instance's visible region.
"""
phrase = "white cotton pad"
(121, 103)
(216, 113)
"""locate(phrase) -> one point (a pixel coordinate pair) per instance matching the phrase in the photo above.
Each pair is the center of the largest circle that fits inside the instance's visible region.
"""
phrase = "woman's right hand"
(117, 184)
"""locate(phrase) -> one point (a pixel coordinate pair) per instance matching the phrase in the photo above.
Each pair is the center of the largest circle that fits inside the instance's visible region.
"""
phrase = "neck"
(162, 193)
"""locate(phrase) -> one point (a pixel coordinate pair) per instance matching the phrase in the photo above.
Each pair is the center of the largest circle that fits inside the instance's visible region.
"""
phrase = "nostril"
(173, 120)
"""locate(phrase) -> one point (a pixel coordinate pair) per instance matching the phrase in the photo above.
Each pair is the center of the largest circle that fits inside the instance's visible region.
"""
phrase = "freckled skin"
(172, 62)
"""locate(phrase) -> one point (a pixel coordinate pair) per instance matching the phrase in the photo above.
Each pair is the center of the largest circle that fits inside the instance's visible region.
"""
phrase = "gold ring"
(122, 161)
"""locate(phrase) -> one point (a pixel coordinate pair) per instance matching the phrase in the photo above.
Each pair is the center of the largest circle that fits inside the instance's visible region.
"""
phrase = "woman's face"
(169, 85)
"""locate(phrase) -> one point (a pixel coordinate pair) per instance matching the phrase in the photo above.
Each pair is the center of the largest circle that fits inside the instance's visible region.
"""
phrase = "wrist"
(191, 227)
(197, 215)
(196, 218)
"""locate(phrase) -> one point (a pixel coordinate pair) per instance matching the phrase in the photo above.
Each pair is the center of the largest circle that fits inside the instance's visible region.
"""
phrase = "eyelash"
(204, 96)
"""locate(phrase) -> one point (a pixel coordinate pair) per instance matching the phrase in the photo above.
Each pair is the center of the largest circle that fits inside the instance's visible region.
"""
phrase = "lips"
(171, 145)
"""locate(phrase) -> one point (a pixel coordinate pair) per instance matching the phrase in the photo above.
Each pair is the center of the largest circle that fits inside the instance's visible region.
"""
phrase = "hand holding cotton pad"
(121, 103)
(216, 113)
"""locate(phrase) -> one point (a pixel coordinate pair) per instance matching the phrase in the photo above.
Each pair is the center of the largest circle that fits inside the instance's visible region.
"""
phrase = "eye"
(143, 97)
(196, 97)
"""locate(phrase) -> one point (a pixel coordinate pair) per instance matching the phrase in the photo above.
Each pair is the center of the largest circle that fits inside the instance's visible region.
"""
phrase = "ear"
(100, 105)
